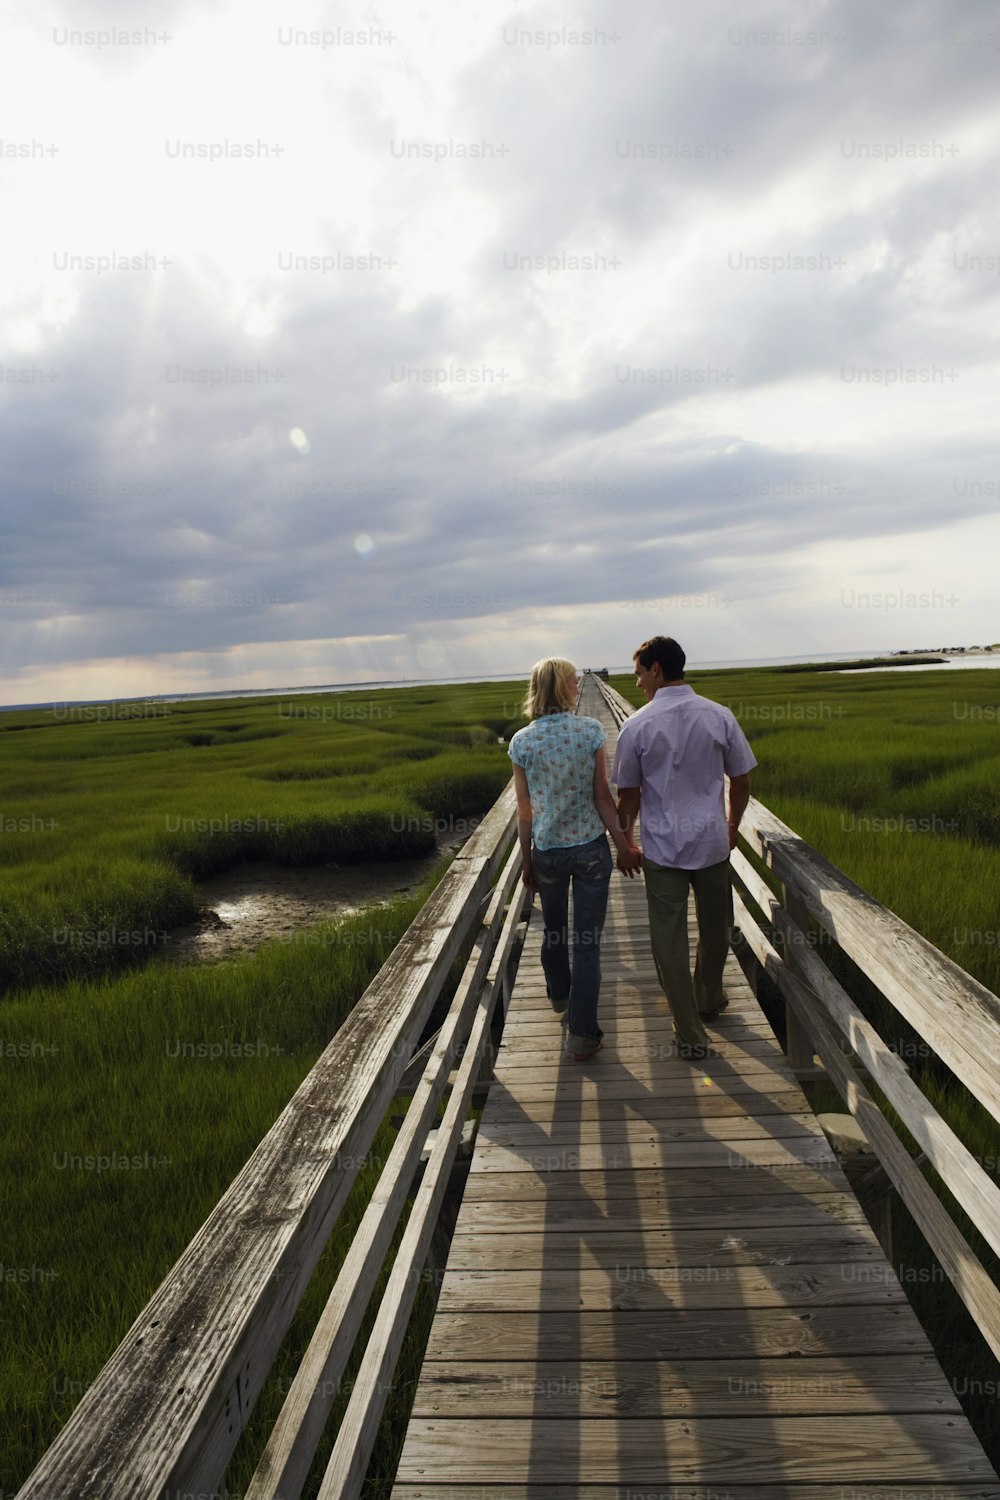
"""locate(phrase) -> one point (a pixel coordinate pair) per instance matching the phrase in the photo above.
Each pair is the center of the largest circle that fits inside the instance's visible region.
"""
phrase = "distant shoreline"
(949, 651)
(821, 662)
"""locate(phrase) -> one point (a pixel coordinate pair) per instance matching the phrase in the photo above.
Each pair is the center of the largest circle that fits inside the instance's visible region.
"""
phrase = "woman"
(564, 804)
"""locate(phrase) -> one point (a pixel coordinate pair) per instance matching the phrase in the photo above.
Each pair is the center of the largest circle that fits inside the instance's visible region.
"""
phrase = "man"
(673, 755)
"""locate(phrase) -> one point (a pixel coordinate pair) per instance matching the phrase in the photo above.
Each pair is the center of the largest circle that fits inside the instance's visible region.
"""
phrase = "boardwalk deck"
(661, 1283)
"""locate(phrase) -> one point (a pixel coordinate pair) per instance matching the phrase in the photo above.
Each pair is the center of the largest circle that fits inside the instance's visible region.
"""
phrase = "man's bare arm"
(739, 796)
(629, 857)
(628, 809)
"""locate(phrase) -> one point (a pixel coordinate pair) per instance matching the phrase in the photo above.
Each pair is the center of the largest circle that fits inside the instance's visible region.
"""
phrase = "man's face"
(649, 679)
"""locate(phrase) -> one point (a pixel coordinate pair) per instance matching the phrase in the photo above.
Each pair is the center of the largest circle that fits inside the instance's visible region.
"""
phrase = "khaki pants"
(667, 899)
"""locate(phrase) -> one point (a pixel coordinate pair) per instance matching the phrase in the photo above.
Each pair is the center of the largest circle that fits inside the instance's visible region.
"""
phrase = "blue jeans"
(588, 867)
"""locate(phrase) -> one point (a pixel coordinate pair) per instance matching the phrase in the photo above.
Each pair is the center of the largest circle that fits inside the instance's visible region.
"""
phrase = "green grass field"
(106, 822)
(136, 1091)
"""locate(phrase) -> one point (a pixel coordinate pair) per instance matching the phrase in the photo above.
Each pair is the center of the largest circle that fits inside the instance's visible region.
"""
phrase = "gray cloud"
(512, 441)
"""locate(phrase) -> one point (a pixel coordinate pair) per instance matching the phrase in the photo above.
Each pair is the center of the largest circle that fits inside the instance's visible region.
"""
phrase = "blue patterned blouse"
(557, 754)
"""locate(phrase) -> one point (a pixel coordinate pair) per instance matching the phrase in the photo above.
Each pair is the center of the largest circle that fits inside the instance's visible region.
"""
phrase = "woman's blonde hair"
(549, 691)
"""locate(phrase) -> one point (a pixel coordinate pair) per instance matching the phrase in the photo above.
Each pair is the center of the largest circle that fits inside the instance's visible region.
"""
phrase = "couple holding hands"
(673, 756)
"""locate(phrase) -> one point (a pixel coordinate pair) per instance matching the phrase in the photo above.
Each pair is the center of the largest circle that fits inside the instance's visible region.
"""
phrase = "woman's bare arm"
(524, 819)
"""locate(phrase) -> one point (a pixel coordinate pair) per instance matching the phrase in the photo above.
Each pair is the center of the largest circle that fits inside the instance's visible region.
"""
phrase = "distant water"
(407, 682)
(953, 664)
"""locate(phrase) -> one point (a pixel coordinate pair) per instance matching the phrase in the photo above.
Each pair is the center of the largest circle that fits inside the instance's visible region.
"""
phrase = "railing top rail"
(952, 1011)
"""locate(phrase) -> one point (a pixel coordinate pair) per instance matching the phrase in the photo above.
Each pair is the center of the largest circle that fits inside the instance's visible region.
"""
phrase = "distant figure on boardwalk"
(564, 804)
(673, 756)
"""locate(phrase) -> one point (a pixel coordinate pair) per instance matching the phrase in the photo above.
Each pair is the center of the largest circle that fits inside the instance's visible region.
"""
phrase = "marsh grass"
(107, 823)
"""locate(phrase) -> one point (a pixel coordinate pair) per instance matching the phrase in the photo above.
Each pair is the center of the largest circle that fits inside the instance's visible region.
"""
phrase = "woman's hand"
(528, 875)
(630, 861)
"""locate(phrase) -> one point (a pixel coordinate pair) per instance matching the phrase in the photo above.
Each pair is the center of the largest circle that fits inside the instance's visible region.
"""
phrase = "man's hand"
(629, 861)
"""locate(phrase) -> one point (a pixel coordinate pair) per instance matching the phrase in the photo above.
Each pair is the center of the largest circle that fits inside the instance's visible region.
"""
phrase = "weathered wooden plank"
(675, 1333)
(626, 978)
(616, 1075)
(632, 1037)
(777, 1489)
(628, 985)
(611, 1070)
(617, 956)
(624, 1019)
(671, 1187)
(622, 984)
(540, 1027)
(496, 1133)
(589, 1156)
(621, 1083)
(632, 997)
(546, 1114)
(609, 1247)
(632, 1032)
(633, 1284)
(622, 977)
(628, 1389)
(705, 1450)
(631, 1004)
(620, 964)
(654, 1042)
(626, 1045)
(736, 1215)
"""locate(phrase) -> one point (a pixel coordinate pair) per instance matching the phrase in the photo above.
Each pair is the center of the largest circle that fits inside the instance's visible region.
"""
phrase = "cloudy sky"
(368, 341)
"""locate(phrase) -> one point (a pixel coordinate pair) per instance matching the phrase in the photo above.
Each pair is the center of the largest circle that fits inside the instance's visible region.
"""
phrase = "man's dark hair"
(665, 650)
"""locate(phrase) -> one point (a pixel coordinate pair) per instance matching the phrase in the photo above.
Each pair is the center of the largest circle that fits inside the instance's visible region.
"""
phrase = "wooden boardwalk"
(661, 1282)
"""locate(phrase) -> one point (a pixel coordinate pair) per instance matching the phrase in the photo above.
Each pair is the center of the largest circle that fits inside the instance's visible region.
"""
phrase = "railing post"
(510, 969)
(874, 1190)
(798, 1043)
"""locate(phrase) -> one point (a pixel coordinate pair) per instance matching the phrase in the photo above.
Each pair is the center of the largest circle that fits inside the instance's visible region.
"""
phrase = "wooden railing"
(958, 1018)
(164, 1415)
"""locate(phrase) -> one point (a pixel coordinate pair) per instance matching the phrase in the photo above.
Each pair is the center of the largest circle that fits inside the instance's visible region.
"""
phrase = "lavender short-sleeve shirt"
(678, 749)
(556, 753)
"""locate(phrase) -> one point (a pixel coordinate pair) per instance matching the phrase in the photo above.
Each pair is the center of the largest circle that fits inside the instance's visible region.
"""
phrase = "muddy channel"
(261, 901)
